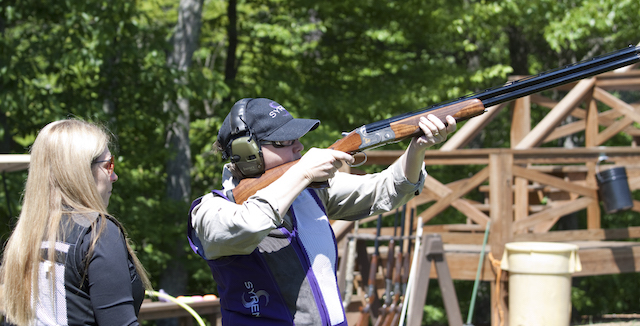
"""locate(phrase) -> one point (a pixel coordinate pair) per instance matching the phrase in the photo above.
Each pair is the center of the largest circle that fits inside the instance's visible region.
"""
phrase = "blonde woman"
(68, 262)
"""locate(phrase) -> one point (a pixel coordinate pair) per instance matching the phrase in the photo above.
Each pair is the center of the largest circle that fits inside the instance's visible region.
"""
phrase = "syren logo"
(277, 108)
(254, 298)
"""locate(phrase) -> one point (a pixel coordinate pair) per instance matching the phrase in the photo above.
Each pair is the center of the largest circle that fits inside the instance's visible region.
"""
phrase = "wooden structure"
(528, 188)
(14, 162)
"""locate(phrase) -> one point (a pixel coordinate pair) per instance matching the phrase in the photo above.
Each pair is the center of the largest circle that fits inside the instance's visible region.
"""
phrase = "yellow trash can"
(540, 282)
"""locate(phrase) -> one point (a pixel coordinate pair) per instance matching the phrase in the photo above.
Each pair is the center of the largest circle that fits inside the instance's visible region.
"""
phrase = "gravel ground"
(611, 323)
(621, 323)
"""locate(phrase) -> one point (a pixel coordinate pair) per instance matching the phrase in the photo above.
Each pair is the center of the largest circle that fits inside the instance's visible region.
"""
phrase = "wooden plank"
(471, 128)
(543, 101)
(521, 156)
(553, 119)
(463, 266)
(438, 189)
(520, 119)
(593, 210)
(500, 183)
(632, 232)
(443, 203)
(14, 162)
(520, 127)
(555, 182)
(613, 129)
(591, 128)
(555, 212)
(616, 104)
(566, 130)
(608, 258)
(596, 257)
(469, 210)
(607, 119)
(520, 198)
(464, 206)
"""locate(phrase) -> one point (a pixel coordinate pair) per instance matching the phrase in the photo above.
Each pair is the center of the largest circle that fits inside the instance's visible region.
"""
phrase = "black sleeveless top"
(102, 289)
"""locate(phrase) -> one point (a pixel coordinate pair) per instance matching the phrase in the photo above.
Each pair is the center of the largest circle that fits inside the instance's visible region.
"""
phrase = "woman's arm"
(435, 132)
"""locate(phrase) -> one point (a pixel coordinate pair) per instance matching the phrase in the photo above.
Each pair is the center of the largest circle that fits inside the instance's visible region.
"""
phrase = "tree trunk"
(231, 66)
(174, 278)
(518, 50)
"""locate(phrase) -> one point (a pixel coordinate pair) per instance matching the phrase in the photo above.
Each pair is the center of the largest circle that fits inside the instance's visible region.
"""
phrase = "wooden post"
(591, 140)
(501, 206)
(520, 127)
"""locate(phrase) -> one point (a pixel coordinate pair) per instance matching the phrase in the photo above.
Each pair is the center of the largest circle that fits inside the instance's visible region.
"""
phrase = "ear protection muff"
(243, 148)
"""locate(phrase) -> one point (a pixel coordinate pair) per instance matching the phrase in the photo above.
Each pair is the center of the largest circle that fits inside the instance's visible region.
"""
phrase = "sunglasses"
(111, 165)
(279, 143)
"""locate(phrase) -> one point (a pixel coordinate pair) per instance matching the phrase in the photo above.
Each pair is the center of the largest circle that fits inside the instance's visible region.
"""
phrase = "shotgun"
(406, 267)
(405, 125)
(408, 299)
(351, 261)
(397, 280)
(388, 278)
(370, 296)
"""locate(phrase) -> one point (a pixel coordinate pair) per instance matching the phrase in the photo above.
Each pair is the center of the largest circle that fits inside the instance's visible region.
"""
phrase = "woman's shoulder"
(86, 222)
(84, 219)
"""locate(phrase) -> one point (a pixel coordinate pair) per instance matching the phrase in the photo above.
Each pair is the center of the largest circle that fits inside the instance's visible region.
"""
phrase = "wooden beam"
(593, 210)
(596, 257)
(616, 104)
(591, 127)
(501, 195)
(523, 226)
(606, 118)
(555, 182)
(613, 129)
(543, 101)
(601, 258)
(566, 130)
(465, 207)
(520, 127)
(471, 128)
(632, 232)
(520, 119)
(469, 210)
(443, 203)
(553, 119)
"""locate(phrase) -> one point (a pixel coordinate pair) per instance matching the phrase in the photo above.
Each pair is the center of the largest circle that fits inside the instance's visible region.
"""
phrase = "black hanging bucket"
(614, 190)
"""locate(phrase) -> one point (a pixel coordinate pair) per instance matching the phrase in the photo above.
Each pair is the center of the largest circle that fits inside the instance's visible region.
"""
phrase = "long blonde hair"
(60, 180)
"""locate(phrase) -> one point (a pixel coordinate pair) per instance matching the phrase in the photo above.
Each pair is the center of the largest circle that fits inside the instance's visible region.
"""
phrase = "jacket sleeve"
(225, 228)
(352, 197)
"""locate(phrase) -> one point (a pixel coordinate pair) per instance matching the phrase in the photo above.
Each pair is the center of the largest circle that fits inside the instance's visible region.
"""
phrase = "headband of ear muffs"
(243, 149)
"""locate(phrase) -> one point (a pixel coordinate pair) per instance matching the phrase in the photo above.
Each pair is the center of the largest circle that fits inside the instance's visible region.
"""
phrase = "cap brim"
(293, 129)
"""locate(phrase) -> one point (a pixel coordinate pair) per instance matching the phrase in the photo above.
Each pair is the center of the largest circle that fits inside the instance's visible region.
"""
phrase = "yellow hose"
(178, 302)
